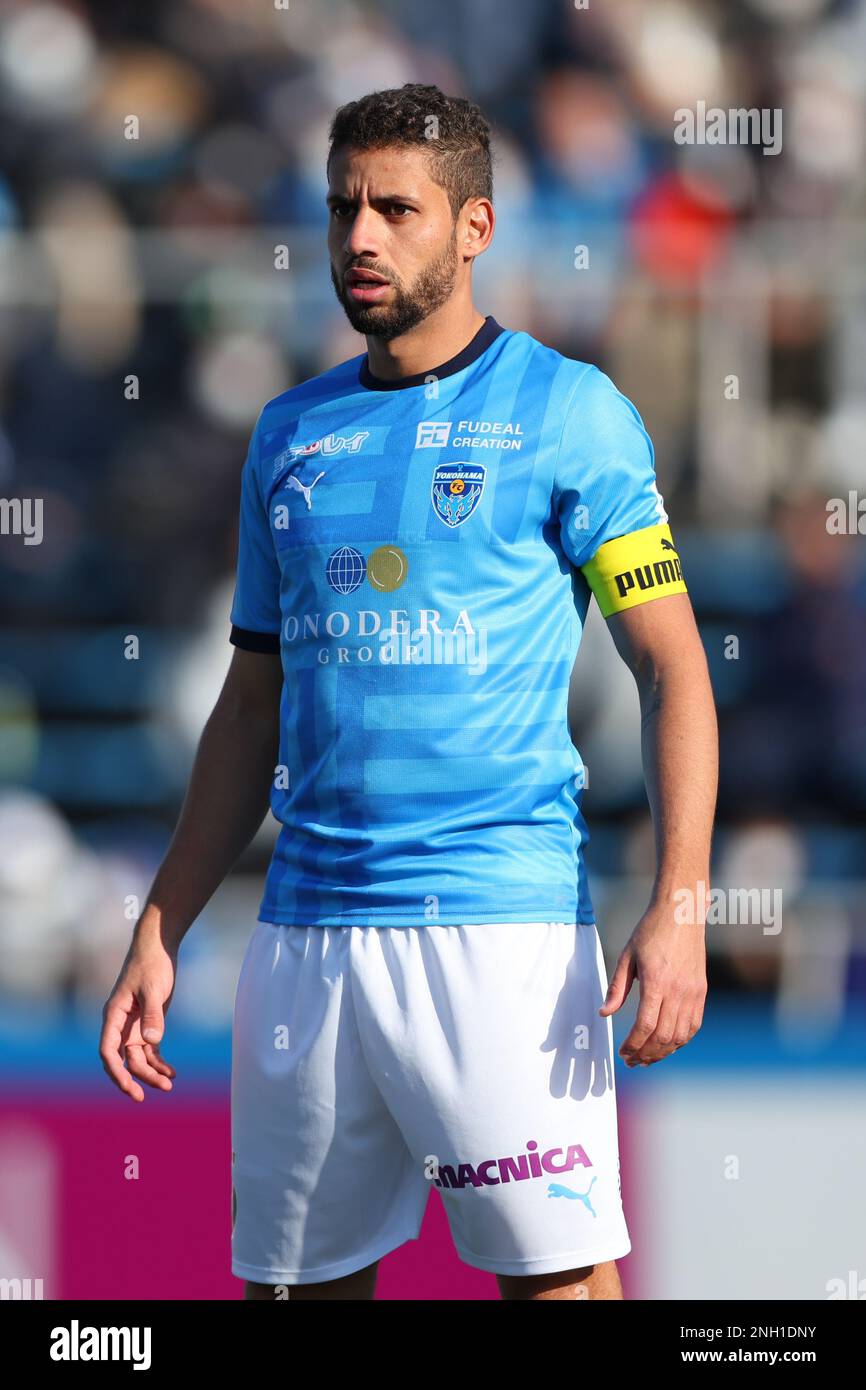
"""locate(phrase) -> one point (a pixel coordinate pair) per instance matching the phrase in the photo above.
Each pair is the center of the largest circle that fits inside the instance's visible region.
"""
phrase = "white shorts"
(370, 1064)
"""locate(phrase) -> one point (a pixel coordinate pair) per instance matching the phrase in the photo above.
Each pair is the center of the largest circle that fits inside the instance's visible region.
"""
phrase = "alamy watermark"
(22, 516)
(738, 126)
(23, 1290)
(730, 907)
(846, 516)
(77, 1343)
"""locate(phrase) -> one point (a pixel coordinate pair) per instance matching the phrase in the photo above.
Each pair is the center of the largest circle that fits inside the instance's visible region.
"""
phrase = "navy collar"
(486, 334)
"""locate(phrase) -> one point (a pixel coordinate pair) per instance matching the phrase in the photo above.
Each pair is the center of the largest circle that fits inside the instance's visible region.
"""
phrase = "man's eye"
(339, 212)
(398, 207)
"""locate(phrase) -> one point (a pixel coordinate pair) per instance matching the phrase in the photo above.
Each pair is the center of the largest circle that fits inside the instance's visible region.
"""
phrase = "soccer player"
(423, 1000)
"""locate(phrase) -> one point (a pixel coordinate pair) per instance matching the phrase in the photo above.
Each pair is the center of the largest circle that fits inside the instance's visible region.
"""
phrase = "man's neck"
(434, 341)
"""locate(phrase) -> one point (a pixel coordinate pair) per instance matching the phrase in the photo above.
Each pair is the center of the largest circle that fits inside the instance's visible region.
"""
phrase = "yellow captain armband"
(634, 569)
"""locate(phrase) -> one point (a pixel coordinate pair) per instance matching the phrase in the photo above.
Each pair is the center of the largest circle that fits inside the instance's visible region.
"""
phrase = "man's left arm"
(666, 953)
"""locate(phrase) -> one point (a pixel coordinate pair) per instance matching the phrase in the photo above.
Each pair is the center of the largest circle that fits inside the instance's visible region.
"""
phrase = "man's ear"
(479, 221)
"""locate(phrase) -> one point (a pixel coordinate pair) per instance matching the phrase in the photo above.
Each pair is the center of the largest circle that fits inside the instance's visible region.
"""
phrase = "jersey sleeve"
(255, 611)
(613, 523)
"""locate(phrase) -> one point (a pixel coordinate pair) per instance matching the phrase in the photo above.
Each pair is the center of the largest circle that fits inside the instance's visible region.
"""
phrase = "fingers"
(152, 1019)
(651, 1000)
(651, 1046)
(141, 1066)
(621, 983)
(114, 1019)
(124, 1056)
(671, 1020)
(165, 1068)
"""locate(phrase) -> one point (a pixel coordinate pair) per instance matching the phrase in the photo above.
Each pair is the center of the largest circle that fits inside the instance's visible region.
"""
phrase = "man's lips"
(365, 286)
(358, 277)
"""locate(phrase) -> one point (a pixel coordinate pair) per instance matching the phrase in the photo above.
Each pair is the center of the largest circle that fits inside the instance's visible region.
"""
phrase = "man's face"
(391, 238)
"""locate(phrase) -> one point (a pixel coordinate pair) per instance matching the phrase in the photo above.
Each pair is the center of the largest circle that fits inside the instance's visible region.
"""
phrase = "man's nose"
(361, 237)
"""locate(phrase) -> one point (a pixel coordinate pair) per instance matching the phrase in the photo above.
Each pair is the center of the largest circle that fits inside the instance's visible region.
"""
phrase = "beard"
(409, 306)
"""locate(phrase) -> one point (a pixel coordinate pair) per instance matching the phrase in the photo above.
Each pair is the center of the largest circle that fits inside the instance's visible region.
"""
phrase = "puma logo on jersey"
(558, 1189)
(296, 483)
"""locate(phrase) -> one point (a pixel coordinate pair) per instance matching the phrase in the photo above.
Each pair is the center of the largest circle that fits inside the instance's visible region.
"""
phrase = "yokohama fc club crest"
(457, 489)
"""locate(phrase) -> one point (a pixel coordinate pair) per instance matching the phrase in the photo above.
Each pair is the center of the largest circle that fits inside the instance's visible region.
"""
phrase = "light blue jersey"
(415, 550)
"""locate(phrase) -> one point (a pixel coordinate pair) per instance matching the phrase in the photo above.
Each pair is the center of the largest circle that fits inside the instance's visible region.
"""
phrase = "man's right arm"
(226, 800)
(227, 796)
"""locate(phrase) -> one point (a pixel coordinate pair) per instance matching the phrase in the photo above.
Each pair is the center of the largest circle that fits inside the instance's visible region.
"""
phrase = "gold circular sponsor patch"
(387, 568)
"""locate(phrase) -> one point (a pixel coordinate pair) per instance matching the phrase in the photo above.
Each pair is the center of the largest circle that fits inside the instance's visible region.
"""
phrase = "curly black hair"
(453, 130)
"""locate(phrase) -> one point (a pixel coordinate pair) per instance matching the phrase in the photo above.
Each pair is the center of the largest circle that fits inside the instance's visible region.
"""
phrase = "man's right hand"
(133, 1020)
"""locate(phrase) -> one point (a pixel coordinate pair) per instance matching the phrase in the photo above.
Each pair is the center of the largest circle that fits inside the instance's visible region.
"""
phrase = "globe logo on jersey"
(385, 570)
(456, 491)
(346, 570)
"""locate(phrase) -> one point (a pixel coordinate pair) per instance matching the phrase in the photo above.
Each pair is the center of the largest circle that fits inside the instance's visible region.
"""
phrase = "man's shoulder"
(316, 390)
(584, 388)
(565, 372)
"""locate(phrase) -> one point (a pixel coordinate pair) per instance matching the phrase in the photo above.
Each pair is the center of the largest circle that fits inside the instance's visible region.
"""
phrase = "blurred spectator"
(798, 742)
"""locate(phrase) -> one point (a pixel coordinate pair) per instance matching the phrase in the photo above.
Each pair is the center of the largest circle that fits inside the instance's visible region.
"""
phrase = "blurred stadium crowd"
(144, 324)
